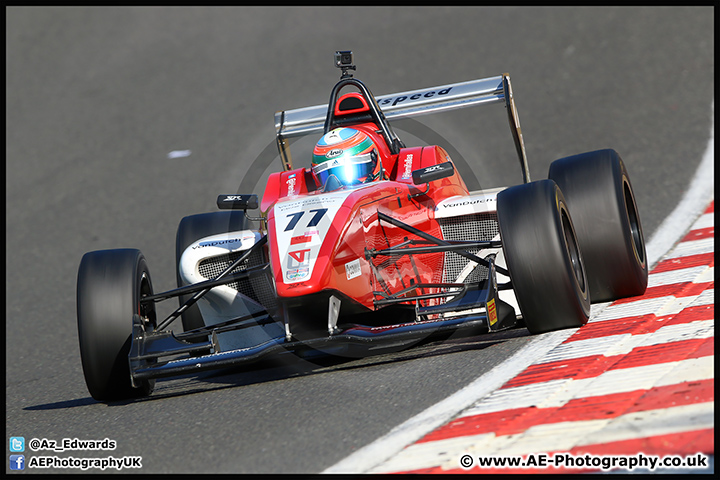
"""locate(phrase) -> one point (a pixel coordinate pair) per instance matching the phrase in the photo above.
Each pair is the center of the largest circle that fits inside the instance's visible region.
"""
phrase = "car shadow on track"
(288, 365)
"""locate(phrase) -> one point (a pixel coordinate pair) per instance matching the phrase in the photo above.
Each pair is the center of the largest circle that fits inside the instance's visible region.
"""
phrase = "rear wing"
(311, 120)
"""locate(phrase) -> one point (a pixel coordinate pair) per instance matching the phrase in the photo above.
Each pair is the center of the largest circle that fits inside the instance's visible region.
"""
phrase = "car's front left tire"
(543, 257)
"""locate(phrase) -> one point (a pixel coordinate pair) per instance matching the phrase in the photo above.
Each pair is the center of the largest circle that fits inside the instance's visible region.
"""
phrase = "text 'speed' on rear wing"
(311, 120)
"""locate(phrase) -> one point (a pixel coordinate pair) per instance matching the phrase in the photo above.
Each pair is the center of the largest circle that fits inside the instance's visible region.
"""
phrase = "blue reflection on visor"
(346, 173)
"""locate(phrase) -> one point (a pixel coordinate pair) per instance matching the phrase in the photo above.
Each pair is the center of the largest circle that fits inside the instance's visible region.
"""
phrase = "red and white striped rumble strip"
(637, 379)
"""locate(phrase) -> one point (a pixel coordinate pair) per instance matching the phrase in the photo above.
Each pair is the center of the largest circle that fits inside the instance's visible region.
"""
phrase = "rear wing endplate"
(311, 120)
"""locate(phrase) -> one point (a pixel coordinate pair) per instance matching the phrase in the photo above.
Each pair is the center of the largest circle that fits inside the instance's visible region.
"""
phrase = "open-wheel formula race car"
(376, 246)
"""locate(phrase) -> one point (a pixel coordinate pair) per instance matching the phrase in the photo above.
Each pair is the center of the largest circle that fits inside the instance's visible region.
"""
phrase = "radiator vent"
(473, 227)
(258, 288)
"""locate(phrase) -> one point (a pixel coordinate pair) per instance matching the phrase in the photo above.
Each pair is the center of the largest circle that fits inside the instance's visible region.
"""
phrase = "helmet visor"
(346, 170)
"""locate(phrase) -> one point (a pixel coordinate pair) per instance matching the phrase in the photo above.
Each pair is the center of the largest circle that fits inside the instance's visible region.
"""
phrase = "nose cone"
(304, 234)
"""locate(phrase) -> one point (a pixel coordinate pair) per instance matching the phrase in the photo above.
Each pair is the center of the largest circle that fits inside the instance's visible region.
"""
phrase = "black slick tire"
(110, 284)
(600, 197)
(543, 257)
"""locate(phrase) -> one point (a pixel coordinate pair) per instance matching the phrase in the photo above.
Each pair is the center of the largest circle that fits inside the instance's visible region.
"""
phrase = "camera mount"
(344, 61)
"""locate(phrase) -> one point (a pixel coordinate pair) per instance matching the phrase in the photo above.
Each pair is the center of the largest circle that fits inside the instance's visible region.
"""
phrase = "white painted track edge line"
(690, 208)
(406, 433)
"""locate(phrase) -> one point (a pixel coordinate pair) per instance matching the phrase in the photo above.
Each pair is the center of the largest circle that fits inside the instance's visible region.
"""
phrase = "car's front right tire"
(110, 284)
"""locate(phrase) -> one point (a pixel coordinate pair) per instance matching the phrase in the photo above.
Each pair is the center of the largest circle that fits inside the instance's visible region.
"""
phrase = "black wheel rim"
(635, 231)
(573, 251)
(146, 310)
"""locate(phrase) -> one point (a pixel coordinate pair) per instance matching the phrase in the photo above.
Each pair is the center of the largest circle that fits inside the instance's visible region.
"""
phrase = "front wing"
(471, 308)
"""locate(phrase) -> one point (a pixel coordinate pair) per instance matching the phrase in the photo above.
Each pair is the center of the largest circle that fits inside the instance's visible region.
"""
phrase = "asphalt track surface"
(97, 98)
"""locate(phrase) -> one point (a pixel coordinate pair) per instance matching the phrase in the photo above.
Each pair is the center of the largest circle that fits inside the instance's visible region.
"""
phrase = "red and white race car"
(376, 245)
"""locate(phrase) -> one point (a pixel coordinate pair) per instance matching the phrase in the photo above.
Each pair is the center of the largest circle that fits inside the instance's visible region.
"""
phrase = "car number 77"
(319, 213)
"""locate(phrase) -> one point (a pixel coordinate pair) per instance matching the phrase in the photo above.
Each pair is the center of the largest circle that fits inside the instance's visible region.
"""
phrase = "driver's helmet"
(343, 157)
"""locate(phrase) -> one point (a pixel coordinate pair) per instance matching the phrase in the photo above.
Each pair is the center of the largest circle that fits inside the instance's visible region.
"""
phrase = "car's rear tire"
(110, 284)
(599, 195)
(193, 228)
(543, 257)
